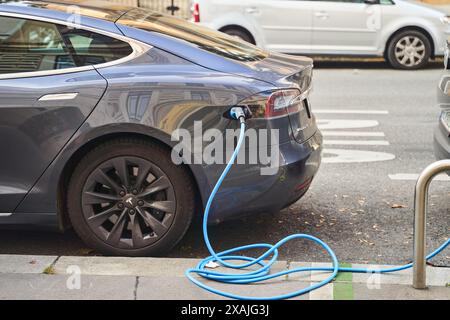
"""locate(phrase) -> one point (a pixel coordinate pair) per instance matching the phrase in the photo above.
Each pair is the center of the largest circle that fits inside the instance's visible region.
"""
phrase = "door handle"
(322, 15)
(59, 96)
(251, 10)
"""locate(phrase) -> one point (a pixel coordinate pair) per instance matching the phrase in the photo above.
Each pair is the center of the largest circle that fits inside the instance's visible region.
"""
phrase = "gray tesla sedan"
(90, 98)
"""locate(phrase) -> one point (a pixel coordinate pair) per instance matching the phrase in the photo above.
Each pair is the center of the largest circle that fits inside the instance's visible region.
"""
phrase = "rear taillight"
(282, 102)
(274, 103)
(195, 12)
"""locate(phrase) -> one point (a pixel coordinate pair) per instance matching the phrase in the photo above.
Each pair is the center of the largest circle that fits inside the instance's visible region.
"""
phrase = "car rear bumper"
(441, 142)
(247, 192)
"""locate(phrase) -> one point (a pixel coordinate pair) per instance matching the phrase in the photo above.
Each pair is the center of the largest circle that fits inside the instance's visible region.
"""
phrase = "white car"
(406, 33)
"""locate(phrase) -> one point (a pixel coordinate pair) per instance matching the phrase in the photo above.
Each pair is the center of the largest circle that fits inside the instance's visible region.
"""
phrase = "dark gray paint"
(33, 132)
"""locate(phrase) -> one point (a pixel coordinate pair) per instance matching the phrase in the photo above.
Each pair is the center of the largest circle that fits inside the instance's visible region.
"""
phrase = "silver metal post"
(420, 212)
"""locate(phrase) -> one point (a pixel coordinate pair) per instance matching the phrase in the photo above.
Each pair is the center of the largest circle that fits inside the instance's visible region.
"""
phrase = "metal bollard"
(420, 214)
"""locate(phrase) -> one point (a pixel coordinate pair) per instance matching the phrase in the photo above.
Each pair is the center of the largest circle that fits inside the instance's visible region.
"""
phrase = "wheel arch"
(90, 143)
(240, 28)
(422, 30)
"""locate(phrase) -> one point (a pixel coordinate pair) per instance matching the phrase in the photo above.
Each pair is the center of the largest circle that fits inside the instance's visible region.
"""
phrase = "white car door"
(286, 25)
(346, 27)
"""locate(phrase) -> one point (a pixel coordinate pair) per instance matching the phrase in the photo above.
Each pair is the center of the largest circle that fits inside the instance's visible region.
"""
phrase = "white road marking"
(331, 128)
(352, 134)
(356, 142)
(354, 156)
(414, 177)
(332, 124)
(349, 111)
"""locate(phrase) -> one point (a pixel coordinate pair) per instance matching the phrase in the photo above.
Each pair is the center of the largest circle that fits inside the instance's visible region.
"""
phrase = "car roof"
(92, 13)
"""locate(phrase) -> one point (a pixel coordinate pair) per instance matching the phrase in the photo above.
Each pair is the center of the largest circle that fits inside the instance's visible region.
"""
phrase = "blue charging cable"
(262, 273)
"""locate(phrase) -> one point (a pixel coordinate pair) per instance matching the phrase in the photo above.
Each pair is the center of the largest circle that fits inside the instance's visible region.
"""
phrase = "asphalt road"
(382, 121)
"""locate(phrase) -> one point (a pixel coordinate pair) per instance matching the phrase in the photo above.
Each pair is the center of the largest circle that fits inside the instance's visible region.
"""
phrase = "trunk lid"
(284, 71)
(217, 51)
(281, 70)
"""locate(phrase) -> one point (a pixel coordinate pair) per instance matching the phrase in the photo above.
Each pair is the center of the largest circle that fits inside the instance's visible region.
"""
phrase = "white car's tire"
(409, 50)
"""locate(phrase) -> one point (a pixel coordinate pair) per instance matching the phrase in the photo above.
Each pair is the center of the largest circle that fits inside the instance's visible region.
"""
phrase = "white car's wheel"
(409, 50)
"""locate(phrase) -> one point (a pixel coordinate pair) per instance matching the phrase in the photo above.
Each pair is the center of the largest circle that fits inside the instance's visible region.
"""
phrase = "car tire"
(240, 34)
(126, 197)
(409, 50)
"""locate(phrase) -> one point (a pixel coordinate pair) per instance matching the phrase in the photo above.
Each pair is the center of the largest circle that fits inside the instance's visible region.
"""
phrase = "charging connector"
(237, 113)
(240, 113)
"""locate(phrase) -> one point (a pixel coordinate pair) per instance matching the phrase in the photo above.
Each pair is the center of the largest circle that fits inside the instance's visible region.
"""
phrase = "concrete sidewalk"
(52, 277)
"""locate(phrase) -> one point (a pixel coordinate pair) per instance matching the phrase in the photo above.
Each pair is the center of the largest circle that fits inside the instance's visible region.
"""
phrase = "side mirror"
(372, 2)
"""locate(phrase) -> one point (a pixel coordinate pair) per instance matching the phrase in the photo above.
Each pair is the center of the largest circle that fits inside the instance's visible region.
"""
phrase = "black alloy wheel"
(130, 199)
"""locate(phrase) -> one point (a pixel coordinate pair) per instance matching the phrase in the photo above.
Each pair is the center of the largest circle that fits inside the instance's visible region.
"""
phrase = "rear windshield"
(204, 38)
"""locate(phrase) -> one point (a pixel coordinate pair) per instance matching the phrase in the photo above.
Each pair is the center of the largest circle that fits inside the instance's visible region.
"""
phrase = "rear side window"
(89, 48)
(31, 46)
(204, 38)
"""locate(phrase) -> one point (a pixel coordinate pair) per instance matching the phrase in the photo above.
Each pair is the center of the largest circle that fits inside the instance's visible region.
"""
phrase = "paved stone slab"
(54, 287)
(140, 266)
(182, 288)
(318, 276)
(176, 288)
(323, 293)
(438, 276)
(401, 277)
(126, 266)
(300, 276)
(163, 278)
(25, 263)
(268, 288)
(435, 276)
(160, 288)
(399, 292)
